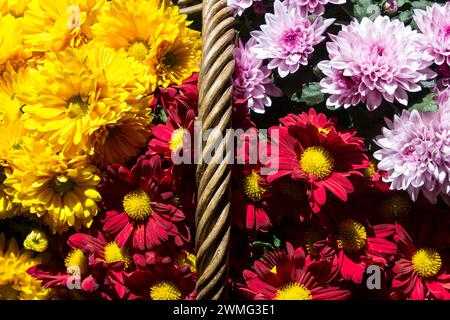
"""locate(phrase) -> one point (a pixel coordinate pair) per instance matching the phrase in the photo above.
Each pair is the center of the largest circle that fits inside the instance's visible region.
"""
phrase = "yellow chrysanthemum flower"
(12, 85)
(14, 7)
(11, 133)
(120, 140)
(36, 240)
(176, 60)
(15, 282)
(78, 91)
(60, 189)
(57, 24)
(154, 34)
(13, 52)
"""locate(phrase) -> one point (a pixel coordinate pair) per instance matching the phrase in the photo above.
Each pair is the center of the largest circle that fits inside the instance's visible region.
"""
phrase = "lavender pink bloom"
(434, 23)
(288, 39)
(251, 79)
(240, 5)
(374, 60)
(315, 7)
(415, 152)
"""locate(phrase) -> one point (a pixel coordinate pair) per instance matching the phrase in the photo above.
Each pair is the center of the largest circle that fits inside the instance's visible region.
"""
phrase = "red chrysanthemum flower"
(249, 200)
(138, 212)
(162, 282)
(291, 275)
(354, 243)
(171, 137)
(98, 264)
(419, 274)
(323, 159)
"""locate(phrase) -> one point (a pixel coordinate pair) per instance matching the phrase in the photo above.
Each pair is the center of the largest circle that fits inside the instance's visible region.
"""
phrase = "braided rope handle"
(213, 209)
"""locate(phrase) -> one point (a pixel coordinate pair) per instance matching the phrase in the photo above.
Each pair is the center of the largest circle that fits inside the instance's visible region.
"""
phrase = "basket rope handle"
(213, 179)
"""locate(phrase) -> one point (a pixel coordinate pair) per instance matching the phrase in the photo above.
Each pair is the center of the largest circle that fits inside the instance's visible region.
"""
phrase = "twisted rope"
(213, 179)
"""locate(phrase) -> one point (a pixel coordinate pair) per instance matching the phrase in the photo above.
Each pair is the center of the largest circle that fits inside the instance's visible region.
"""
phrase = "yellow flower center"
(36, 241)
(274, 270)
(176, 140)
(188, 259)
(61, 185)
(139, 50)
(395, 208)
(252, 190)
(137, 205)
(113, 254)
(427, 262)
(370, 171)
(170, 59)
(165, 290)
(77, 259)
(293, 291)
(352, 236)
(77, 107)
(7, 292)
(317, 161)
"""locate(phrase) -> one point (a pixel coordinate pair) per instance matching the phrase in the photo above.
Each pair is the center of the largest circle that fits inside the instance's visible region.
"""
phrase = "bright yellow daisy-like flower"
(13, 52)
(57, 24)
(78, 91)
(60, 189)
(154, 34)
(15, 282)
(176, 60)
(11, 133)
(12, 85)
(14, 7)
(120, 140)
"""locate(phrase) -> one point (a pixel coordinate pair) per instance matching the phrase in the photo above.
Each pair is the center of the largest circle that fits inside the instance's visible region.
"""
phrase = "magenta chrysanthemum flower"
(288, 39)
(415, 153)
(251, 79)
(434, 23)
(240, 5)
(374, 60)
(316, 7)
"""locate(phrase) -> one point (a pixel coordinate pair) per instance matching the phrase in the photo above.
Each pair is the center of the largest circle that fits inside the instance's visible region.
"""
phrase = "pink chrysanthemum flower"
(251, 79)
(316, 7)
(240, 5)
(415, 153)
(288, 39)
(374, 60)
(434, 23)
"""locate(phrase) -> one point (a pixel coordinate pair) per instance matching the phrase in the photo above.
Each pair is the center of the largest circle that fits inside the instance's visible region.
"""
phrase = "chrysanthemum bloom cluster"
(241, 5)
(75, 93)
(251, 79)
(434, 24)
(316, 7)
(15, 283)
(288, 39)
(415, 153)
(367, 66)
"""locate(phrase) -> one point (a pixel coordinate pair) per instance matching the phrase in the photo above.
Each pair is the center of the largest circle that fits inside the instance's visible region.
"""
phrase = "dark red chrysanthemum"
(162, 282)
(291, 275)
(419, 273)
(353, 243)
(138, 212)
(94, 264)
(322, 158)
(249, 199)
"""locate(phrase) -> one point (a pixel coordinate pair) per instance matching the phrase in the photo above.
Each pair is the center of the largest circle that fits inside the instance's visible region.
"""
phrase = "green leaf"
(421, 4)
(276, 242)
(428, 104)
(405, 16)
(428, 84)
(263, 245)
(162, 116)
(310, 94)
